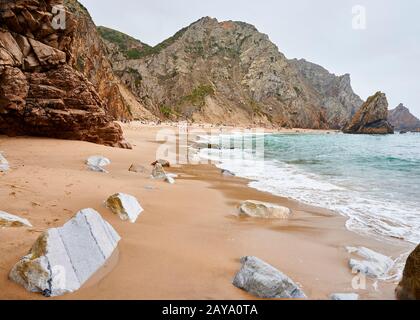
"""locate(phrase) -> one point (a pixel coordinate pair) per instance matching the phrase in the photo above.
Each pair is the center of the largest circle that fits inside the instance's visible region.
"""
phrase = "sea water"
(374, 181)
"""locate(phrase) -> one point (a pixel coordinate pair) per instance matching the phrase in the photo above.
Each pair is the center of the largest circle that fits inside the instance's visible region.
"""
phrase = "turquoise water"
(372, 180)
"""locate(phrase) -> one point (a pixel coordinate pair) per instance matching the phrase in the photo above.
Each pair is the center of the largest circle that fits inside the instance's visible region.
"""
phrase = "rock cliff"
(409, 287)
(41, 94)
(372, 117)
(228, 72)
(403, 120)
(335, 92)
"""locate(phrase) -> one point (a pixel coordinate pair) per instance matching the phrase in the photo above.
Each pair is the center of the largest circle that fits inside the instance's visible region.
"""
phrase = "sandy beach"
(188, 242)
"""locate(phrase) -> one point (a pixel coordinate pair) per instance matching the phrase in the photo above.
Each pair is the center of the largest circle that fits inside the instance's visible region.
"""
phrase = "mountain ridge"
(251, 81)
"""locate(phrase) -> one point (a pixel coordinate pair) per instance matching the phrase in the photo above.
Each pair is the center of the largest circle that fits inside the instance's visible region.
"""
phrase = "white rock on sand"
(10, 220)
(125, 206)
(63, 259)
(264, 281)
(345, 296)
(4, 164)
(159, 173)
(257, 209)
(375, 265)
(97, 163)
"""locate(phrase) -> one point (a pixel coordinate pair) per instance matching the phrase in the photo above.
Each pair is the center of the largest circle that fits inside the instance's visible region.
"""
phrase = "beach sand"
(188, 242)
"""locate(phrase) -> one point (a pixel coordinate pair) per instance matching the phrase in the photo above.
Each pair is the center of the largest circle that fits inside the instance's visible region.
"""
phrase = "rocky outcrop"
(374, 265)
(10, 220)
(226, 73)
(257, 209)
(409, 287)
(402, 119)
(264, 281)
(335, 92)
(125, 206)
(372, 117)
(63, 259)
(41, 94)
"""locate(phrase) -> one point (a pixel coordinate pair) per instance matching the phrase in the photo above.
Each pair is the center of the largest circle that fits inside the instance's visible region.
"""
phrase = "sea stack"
(372, 117)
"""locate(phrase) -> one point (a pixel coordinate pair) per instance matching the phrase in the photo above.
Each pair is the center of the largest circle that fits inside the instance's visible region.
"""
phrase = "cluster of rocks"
(41, 94)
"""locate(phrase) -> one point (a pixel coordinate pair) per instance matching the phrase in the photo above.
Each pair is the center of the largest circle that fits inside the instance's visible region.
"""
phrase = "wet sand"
(188, 242)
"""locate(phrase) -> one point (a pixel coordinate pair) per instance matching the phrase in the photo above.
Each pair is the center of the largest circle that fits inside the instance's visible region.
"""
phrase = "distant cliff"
(228, 72)
(372, 117)
(403, 120)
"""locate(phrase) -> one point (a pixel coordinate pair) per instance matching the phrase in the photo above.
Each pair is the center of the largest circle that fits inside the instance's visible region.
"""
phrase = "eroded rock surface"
(63, 259)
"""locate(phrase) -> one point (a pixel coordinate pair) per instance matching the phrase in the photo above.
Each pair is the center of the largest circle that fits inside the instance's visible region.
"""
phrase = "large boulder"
(409, 287)
(41, 93)
(125, 206)
(258, 209)
(63, 259)
(372, 117)
(264, 281)
(10, 220)
(137, 168)
(4, 164)
(374, 265)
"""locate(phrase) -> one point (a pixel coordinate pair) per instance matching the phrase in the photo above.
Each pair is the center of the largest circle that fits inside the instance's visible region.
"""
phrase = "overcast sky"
(385, 55)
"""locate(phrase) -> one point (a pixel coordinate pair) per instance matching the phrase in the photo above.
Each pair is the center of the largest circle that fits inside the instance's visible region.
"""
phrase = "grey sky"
(385, 56)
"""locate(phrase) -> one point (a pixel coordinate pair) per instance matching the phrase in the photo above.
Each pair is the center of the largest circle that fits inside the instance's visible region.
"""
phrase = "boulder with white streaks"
(63, 259)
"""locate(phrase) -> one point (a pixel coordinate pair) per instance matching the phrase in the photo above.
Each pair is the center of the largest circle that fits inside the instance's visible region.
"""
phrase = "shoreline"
(180, 248)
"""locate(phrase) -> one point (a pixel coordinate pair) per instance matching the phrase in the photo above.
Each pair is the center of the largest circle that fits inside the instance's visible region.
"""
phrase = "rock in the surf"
(10, 220)
(372, 117)
(162, 162)
(264, 281)
(4, 164)
(227, 173)
(258, 209)
(125, 206)
(374, 265)
(97, 163)
(63, 259)
(345, 296)
(137, 168)
(409, 287)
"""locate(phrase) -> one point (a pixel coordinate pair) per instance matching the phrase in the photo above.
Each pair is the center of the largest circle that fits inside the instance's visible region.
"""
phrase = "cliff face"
(402, 119)
(227, 72)
(41, 93)
(372, 117)
(335, 92)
